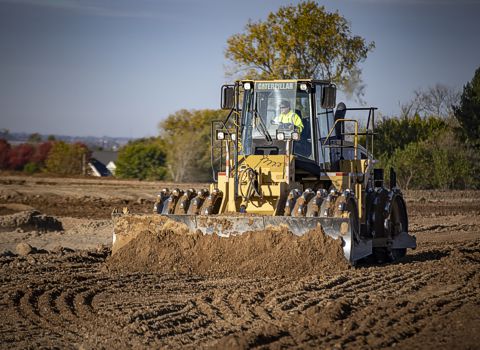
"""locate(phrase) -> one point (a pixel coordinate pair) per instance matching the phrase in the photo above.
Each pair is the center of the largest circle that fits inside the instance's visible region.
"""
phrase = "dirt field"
(58, 291)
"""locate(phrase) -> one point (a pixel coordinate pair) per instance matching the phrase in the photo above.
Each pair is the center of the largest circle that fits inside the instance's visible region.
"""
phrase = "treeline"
(180, 153)
(439, 149)
(434, 143)
(55, 157)
(427, 153)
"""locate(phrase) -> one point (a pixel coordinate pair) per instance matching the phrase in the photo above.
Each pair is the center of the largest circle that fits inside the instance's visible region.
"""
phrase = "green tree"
(67, 159)
(302, 41)
(441, 161)
(396, 133)
(187, 139)
(413, 165)
(467, 112)
(455, 165)
(31, 168)
(142, 159)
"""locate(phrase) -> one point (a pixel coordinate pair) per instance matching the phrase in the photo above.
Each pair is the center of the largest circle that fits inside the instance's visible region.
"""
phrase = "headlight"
(295, 136)
(247, 86)
(220, 135)
(280, 136)
(233, 137)
(303, 87)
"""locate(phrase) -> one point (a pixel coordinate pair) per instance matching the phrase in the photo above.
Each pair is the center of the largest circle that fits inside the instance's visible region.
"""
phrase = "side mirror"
(329, 97)
(228, 97)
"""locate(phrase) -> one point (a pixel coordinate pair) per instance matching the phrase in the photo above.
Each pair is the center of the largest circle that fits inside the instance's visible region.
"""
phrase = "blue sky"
(118, 67)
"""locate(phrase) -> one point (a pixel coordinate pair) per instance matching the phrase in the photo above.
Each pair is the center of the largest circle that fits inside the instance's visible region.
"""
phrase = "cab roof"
(285, 81)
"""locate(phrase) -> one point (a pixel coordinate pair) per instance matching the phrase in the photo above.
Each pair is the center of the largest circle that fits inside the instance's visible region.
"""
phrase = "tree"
(456, 166)
(41, 153)
(20, 155)
(467, 112)
(31, 168)
(142, 159)
(67, 159)
(303, 41)
(27, 157)
(438, 162)
(396, 133)
(187, 138)
(4, 153)
(437, 100)
(412, 165)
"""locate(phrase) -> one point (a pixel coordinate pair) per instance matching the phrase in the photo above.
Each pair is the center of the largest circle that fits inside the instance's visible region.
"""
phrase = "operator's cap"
(284, 103)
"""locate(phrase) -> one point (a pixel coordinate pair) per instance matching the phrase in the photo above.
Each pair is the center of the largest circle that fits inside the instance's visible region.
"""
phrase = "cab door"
(324, 123)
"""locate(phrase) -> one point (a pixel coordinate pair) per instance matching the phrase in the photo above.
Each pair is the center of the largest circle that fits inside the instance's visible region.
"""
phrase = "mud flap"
(404, 240)
(337, 228)
(401, 241)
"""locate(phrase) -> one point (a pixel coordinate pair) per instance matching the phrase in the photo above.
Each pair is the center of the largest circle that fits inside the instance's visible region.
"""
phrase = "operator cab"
(288, 117)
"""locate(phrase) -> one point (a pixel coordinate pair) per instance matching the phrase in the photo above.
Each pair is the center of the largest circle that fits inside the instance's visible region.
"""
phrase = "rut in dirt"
(59, 300)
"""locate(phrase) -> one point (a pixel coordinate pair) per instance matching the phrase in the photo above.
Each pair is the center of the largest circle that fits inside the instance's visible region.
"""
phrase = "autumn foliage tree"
(38, 158)
(302, 41)
(67, 159)
(41, 153)
(186, 135)
(4, 153)
(26, 156)
(20, 155)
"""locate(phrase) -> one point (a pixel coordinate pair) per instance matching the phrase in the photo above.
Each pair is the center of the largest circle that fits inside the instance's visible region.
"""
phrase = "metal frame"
(367, 133)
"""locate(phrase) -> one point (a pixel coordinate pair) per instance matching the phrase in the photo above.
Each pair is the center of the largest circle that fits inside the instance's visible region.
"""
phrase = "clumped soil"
(53, 296)
(27, 220)
(273, 252)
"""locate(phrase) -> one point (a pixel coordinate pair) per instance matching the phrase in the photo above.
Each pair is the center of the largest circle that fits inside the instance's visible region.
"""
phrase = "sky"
(118, 67)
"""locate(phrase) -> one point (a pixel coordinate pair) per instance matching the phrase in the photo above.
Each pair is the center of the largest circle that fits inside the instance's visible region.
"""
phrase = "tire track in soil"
(388, 284)
(70, 301)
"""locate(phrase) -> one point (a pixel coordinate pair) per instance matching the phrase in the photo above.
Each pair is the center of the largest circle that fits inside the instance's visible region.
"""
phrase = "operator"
(287, 116)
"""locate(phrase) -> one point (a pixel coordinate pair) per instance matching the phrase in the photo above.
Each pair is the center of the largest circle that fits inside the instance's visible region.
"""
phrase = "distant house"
(102, 163)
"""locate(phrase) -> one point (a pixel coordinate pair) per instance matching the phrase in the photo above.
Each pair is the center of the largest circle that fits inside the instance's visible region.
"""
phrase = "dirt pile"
(273, 252)
(28, 220)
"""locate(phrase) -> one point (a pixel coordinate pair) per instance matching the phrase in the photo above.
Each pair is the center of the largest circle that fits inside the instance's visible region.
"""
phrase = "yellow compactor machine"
(287, 155)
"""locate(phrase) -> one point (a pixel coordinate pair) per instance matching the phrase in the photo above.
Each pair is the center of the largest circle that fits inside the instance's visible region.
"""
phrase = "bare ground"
(56, 297)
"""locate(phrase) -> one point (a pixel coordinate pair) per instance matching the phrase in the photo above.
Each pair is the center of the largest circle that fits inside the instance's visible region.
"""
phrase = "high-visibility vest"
(290, 118)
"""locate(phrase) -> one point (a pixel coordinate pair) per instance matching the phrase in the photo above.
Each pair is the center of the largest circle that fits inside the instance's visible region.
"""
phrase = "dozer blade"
(127, 227)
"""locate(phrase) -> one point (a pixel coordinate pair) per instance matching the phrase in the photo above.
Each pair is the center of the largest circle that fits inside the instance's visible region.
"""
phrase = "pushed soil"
(63, 292)
(27, 220)
(273, 252)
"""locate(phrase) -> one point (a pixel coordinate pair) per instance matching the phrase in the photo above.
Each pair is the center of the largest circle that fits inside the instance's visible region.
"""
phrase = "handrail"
(355, 137)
